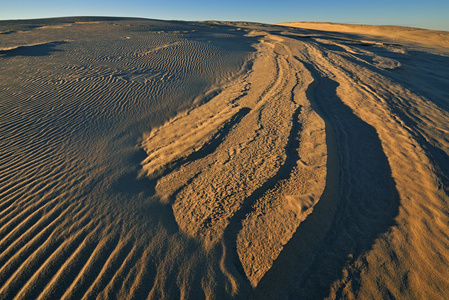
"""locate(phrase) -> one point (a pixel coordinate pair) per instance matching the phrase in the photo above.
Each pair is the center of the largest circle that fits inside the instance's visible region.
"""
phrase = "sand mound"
(153, 159)
(393, 35)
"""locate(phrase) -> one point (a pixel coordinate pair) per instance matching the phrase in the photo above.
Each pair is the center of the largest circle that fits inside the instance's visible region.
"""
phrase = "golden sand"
(146, 159)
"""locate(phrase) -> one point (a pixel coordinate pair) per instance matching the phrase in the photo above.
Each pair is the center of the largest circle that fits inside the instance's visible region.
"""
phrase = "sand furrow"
(21, 210)
(274, 162)
(360, 232)
(279, 97)
(38, 247)
(69, 270)
(31, 243)
(44, 224)
(126, 264)
(34, 271)
(16, 191)
(284, 202)
(260, 106)
(113, 263)
(91, 268)
(144, 280)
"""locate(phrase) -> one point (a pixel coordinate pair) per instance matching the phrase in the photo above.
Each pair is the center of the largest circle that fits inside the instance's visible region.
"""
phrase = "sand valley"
(149, 159)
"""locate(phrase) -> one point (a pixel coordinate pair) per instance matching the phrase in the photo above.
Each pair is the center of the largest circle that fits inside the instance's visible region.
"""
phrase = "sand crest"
(155, 159)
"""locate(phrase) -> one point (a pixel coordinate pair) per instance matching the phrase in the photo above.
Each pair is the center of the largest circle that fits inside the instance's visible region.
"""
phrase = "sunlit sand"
(147, 159)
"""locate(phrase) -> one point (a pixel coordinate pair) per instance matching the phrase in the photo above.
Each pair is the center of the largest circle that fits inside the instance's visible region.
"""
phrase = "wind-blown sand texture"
(155, 159)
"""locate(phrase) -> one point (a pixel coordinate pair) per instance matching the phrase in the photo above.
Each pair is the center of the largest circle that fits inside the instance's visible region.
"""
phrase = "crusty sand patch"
(147, 159)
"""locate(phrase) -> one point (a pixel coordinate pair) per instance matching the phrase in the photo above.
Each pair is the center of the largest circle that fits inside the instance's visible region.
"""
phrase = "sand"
(148, 159)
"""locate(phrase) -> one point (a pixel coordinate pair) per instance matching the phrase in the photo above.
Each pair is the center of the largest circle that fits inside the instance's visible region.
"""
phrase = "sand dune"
(147, 159)
(412, 37)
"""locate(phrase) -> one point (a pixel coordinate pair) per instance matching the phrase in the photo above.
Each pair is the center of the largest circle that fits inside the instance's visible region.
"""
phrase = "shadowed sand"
(154, 159)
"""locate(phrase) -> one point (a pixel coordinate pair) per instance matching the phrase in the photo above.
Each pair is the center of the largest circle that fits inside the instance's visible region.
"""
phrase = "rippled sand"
(154, 159)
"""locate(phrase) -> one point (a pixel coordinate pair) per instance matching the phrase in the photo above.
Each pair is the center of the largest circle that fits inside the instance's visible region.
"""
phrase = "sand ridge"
(413, 37)
(162, 159)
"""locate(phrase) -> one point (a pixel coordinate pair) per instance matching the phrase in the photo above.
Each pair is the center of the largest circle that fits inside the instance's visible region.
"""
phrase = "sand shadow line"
(357, 206)
(33, 50)
(284, 172)
(208, 148)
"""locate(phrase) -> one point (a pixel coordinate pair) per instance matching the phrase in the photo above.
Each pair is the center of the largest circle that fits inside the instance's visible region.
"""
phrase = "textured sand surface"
(154, 159)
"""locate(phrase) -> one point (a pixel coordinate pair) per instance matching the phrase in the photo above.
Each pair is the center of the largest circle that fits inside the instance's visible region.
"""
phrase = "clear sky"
(432, 14)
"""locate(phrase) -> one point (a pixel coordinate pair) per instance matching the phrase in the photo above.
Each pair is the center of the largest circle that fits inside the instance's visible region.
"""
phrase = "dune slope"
(153, 159)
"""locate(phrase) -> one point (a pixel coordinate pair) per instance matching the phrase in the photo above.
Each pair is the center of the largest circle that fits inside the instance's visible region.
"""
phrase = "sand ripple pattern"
(74, 220)
(318, 181)
(144, 159)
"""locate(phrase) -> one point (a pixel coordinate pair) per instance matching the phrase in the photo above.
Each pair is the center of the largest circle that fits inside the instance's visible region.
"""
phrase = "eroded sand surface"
(152, 159)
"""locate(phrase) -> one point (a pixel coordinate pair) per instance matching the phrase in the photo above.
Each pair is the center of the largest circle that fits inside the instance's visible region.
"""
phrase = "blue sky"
(432, 14)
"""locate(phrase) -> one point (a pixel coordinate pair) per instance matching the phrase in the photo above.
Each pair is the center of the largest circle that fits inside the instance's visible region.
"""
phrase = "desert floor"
(165, 159)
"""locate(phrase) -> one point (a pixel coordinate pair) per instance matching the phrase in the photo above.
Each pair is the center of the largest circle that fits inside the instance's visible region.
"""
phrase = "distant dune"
(409, 36)
(148, 159)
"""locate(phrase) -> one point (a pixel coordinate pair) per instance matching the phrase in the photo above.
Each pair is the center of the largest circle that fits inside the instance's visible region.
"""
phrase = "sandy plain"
(147, 159)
